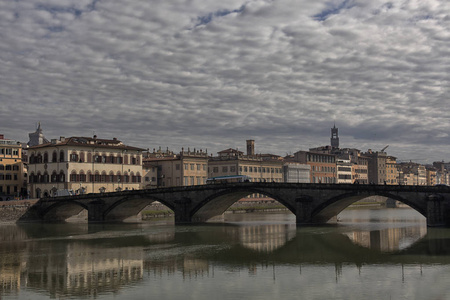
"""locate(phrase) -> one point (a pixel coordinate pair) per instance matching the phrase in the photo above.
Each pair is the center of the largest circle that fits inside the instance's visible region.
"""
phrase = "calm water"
(370, 254)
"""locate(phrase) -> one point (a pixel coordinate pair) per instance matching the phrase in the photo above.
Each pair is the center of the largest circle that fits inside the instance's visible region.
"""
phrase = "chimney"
(250, 147)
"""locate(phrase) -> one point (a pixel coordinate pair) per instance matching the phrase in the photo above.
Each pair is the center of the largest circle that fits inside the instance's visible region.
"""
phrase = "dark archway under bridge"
(311, 203)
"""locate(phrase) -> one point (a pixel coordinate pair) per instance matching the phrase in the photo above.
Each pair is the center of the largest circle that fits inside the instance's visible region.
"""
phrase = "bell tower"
(334, 137)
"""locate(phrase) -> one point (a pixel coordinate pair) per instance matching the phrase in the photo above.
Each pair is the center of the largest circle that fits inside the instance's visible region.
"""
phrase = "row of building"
(91, 165)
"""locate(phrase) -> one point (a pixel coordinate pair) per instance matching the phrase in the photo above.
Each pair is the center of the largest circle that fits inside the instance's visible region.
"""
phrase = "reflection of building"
(266, 238)
(12, 263)
(11, 168)
(84, 164)
(85, 270)
(389, 240)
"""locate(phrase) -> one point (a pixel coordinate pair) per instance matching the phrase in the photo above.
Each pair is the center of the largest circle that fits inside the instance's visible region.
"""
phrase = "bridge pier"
(183, 211)
(437, 212)
(95, 211)
(303, 211)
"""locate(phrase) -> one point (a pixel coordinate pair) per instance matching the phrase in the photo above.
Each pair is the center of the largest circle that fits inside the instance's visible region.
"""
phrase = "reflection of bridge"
(311, 203)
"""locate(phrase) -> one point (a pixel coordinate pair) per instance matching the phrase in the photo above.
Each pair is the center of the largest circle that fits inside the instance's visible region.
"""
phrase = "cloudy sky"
(211, 74)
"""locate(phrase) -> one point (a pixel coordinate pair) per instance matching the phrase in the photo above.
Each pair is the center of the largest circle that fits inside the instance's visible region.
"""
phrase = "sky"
(210, 74)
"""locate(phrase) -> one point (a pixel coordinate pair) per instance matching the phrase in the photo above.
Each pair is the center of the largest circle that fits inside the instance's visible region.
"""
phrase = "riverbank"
(11, 211)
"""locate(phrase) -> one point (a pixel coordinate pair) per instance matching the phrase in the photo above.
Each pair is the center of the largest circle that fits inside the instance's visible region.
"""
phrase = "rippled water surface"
(369, 254)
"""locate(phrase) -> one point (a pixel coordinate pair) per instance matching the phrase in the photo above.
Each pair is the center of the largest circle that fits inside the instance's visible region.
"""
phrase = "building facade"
(165, 168)
(84, 165)
(376, 166)
(12, 173)
(294, 172)
(391, 170)
(323, 166)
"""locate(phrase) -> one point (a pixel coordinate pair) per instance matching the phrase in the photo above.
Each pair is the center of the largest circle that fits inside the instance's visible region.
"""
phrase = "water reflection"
(385, 230)
(81, 260)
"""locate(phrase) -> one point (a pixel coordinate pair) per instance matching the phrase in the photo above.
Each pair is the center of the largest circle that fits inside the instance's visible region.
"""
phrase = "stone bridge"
(311, 203)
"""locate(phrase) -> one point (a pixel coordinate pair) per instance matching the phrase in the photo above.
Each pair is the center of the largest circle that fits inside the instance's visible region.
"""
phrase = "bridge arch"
(218, 202)
(333, 206)
(130, 206)
(61, 211)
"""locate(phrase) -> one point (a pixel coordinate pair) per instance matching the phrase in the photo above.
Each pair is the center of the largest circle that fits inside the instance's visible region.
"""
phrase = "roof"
(230, 150)
(88, 142)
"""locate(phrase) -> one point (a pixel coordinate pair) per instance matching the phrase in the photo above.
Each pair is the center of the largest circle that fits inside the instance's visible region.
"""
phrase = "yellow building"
(392, 175)
(261, 168)
(83, 165)
(431, 176)
(165, 168)
(11, 169)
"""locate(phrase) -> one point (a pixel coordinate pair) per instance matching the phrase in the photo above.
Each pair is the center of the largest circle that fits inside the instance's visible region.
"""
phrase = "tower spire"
(334, 137)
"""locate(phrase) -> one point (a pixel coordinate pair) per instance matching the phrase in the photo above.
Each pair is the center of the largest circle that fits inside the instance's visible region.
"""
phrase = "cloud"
(210, 75)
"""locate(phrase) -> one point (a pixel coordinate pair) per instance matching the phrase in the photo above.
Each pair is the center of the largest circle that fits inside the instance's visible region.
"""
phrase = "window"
(177, 167)
(198, 167)
(225, 169)
(216, 170)
(73, 157)
(192, 167)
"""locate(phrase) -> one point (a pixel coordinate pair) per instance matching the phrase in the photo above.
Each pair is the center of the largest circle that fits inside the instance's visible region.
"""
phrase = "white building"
(296, 172)
(84, 165)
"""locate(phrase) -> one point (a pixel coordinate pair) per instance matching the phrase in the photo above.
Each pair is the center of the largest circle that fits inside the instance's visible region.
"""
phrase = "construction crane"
(382, 150)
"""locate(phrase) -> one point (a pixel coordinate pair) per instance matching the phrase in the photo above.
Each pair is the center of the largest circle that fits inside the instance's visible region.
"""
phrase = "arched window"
(133, 178)
(45, 177)
(126, 178)
(62, 176)
(89, 177)
(74, 157)
(125, 159)
(82, 156)
(54, 156)
(111, 177)
(138, 177)
(45, 157)
(97, 176)
(103, 178)
(119, 177)
(31, 177)
(54, 177)
(89, 157)
(82, 176)
(39, 158)
(32, 158)
(73, 176)
(39, 177)
(111, 159)
(61, 156)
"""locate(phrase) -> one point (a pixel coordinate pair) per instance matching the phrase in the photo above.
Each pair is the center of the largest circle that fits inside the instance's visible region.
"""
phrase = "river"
(370, 254)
